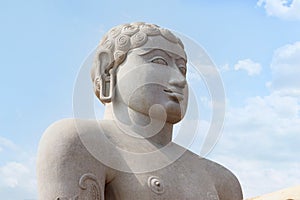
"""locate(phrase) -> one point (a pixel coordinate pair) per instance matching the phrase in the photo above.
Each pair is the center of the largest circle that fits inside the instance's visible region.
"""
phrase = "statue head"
(146, 57)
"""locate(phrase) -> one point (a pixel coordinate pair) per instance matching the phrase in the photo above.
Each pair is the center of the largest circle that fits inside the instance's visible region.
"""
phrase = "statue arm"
(232, 187)
(65, 169)
(226, 183)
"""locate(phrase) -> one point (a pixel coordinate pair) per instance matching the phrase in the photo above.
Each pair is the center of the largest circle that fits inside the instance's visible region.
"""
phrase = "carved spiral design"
(168, 35)
(123, 42)
(114, 32)
(129, 30)
(108, 44)
(150, 29)
(94, 191)
(89, 189)
(156, 185)
(138, 39)
(119, 55)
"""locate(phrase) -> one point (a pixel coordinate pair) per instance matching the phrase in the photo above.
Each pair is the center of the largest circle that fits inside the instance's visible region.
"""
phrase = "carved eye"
(160, 61)
(182, 69)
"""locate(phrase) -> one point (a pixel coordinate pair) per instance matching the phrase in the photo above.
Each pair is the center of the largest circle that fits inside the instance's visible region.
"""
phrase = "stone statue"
(139, 73)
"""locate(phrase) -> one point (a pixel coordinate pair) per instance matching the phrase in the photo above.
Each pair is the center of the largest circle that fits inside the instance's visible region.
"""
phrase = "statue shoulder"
(63, 161)
(225, 181)
(70, 131)
(67, 137)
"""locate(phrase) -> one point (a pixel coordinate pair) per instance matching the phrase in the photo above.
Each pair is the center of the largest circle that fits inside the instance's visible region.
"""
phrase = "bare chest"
(174, 182)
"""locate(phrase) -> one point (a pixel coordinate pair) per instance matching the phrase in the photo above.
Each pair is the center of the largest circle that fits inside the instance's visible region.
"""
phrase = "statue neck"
(139, 125)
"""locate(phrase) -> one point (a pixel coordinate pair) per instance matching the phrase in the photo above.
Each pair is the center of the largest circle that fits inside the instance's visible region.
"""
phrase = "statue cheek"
(130, 79)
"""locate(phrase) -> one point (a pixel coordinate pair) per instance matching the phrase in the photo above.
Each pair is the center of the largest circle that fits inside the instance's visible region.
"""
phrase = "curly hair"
(120, 39)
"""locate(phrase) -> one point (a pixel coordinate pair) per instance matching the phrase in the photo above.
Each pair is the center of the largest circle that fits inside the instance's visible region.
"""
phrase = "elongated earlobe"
(104, 76)
(106, 84)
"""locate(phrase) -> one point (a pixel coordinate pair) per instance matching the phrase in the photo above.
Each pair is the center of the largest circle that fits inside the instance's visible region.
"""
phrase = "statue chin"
(171, 112)
(175, 112)
(173, 118)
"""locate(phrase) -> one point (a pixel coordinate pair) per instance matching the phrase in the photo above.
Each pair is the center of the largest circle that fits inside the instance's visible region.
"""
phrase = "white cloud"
(224, 68)
(17, 172)
(6, 143)
(248, 65)
(259, 177)
(285, 9)
(18, 177)
(12, 173)
(260, 142)
(285, 68)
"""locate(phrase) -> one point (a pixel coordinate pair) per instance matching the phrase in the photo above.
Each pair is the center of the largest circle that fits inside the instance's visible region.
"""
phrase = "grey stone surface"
(139, 74)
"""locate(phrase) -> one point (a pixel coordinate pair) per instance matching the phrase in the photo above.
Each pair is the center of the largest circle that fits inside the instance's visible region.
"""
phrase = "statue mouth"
(174, 94)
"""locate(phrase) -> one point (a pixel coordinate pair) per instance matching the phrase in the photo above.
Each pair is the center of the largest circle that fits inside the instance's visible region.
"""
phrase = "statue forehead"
(160, 43)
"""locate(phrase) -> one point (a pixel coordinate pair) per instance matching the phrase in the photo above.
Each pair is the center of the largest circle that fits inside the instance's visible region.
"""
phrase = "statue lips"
(175, 94)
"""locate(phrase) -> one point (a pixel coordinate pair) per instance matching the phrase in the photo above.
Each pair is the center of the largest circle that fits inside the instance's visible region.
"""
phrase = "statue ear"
(104, 82)
(105, 61)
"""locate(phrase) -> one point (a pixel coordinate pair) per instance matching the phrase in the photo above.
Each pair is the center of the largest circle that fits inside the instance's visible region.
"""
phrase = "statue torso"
(186, 178)
(183, 178)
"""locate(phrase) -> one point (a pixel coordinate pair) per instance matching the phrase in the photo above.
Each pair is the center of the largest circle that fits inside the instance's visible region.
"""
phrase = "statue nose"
(178, 82)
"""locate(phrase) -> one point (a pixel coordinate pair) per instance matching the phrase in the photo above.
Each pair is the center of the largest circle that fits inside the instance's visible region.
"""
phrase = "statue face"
(151, 76)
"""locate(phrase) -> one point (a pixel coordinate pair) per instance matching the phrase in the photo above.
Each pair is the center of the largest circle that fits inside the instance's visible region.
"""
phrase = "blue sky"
(254, 44)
